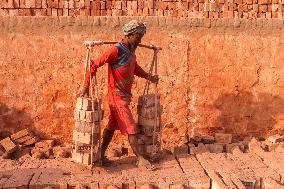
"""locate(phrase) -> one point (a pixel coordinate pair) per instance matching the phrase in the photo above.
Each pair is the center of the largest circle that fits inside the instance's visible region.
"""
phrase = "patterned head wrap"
(133, 27)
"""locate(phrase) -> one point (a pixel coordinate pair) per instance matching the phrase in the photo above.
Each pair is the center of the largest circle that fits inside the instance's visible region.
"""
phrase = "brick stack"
(148, 140)
(184, 8)
(88, 114)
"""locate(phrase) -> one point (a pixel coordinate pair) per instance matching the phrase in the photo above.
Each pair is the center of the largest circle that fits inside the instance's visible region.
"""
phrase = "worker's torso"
(121, 74)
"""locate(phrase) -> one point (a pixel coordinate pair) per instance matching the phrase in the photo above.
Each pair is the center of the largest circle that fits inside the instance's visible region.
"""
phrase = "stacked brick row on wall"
(177, 8)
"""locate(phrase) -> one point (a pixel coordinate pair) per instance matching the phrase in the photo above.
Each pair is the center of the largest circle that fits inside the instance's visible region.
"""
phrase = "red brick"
(150, 4)
(95, 12)
(31, 141)
(238, 2)
(62, 152)
(8, 145)
(20, 134)
(215, 148)
(9, 4)
(38, 3)
(230, 147)
(45, 144)
(16, 4)
(173, 6)
(71, 4)
(108, 13)
(274, 7)
(261, 15)
(21, 12)
(201, 148)
(22, 4)
(252, 15)
(262, 8)
(223, 138)
(255, 7)
(105, 5)
(134, 5)
(140, 4)
(103, 13)
(95, 6)
(263, 2)
(61, 4)
(81, 4)
(37, 12)
(242, 8)
(44, 4)
(82, 12)
(233, 7)
(48, 12)
(226, 7)
(87, 3)
(145, 11)
(269, 8)
(24, 138)
(275, 139)
(237, 14)
(275, 15)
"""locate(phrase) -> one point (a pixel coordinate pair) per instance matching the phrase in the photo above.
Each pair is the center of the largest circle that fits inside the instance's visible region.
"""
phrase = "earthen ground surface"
(206, 170)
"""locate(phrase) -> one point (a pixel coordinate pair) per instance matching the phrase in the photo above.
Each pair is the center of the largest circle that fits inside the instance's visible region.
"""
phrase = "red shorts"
(120, 117)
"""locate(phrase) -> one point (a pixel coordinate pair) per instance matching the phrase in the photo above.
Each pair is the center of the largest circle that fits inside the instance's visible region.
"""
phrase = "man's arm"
(141, 73)
(109, 56)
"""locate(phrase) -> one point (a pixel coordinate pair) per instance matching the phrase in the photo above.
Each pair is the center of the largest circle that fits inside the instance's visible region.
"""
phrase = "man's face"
(135, 39)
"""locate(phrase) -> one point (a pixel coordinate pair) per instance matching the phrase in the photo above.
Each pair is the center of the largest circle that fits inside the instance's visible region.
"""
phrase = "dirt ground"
(202, 171)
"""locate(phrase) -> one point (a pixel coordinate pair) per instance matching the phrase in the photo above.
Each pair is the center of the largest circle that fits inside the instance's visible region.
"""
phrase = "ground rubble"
(202, 162)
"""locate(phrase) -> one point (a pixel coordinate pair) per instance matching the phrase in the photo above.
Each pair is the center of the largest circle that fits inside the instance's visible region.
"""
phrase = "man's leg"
(142, 162)
(107, 136)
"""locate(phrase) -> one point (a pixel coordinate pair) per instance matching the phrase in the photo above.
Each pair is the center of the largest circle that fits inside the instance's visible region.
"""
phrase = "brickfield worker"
(122, 66)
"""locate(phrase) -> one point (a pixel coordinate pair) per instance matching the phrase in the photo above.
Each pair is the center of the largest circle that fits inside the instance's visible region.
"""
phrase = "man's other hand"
(154, 79)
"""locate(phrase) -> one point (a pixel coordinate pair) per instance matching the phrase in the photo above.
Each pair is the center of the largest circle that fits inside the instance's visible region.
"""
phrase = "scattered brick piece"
(31, 141)
(201, 148)
(62, 152)
(183, 149)
(20, 134)
(22, 151)
(231, 147)
(8, 145)
(223, 138)
(24, 138)
(215, 148)
(45, 144)
(276, 139)
(255, 146)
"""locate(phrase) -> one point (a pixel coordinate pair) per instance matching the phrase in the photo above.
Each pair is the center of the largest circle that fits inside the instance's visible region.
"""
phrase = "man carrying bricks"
(122, 66)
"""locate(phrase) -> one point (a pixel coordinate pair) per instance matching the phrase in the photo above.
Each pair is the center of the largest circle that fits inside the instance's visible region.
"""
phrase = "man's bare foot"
(104, 162)
(145, 164)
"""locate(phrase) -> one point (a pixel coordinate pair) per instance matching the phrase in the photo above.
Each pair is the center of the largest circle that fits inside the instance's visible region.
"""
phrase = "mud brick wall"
(177, 8)
(215, 74)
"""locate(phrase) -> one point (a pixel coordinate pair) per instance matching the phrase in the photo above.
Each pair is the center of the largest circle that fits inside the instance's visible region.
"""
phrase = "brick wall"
(251, 9)
(215, 74)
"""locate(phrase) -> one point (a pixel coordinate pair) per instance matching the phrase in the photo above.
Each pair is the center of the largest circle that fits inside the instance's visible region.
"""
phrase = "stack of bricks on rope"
(88, 114)
(247, 9)
(149, 126)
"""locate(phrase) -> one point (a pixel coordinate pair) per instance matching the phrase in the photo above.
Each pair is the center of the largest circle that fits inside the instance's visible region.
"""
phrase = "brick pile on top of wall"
(248, 9)
(28, 23)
